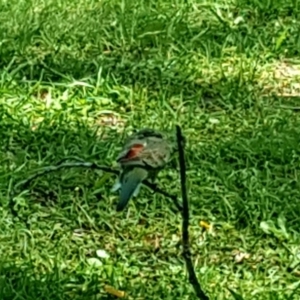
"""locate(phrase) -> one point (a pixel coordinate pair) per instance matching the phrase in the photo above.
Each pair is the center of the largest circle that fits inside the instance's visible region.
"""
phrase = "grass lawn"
(77, 75)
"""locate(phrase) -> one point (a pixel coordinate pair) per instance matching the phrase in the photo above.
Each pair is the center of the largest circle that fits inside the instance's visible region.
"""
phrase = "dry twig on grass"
(82, 164)
(185, 220)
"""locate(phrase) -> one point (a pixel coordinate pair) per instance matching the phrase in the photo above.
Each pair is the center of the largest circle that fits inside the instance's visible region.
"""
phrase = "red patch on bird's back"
(133, 152)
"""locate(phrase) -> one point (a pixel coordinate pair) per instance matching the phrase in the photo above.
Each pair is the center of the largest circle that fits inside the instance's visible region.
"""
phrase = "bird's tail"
(130, 184)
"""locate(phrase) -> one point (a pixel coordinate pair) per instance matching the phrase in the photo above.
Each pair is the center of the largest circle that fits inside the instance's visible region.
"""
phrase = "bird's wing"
(131, 152)
(146, 147)
(152, 152)
(157, 152)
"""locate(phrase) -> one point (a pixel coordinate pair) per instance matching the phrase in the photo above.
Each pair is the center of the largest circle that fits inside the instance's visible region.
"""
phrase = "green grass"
(226, 71)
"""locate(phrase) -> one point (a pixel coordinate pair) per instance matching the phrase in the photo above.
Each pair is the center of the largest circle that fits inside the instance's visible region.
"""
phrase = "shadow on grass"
(23, 282)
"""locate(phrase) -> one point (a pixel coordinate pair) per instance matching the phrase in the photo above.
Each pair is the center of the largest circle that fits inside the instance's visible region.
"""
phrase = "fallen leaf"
(153, 240)
(95, 262)
(102, 253)
(111, 290)
(204, 225)
(240, 256)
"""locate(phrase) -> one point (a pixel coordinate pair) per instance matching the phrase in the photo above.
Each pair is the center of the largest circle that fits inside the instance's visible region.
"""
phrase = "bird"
(144, 154)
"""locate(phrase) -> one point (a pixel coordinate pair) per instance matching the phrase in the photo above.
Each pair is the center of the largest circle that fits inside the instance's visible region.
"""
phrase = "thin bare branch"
(185, 219)
(82, 164)
(49, 169)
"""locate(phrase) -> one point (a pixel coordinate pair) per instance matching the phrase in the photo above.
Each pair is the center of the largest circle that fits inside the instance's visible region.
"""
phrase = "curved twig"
(83, 164)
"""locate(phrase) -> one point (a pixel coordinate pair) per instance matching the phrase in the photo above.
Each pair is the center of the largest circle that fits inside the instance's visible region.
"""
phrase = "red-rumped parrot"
(144, 154)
